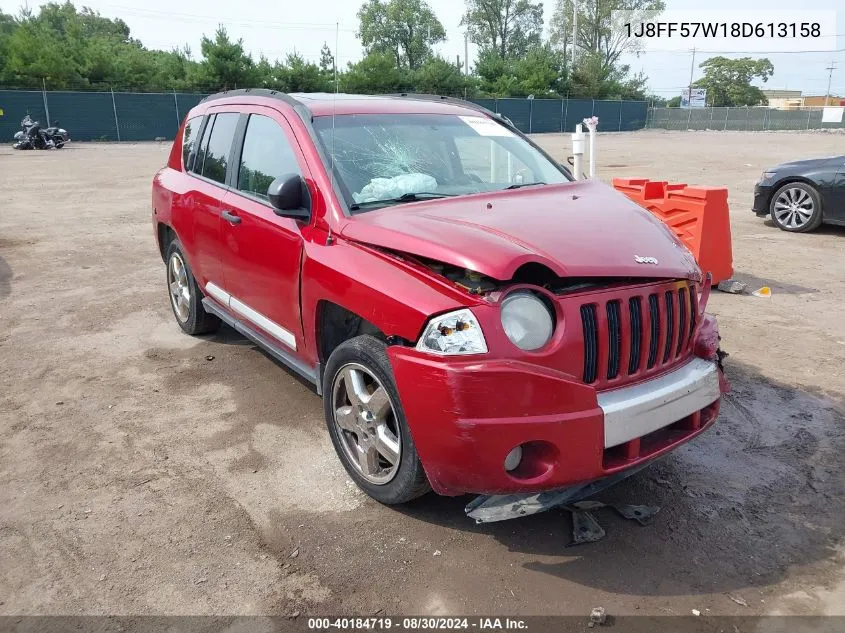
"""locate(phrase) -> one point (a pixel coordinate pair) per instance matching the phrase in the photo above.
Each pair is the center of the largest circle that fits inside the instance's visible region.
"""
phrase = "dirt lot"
(138, 477)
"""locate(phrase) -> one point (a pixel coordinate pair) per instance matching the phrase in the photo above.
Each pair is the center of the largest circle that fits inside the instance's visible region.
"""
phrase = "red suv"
(475, 319)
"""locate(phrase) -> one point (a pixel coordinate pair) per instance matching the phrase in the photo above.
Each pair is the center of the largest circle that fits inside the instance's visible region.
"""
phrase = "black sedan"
(801, 195)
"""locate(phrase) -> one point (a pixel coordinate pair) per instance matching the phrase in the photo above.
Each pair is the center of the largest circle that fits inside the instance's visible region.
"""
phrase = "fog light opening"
(513, 459)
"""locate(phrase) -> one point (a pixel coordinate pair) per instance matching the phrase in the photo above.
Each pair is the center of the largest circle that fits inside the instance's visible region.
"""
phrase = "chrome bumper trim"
(632, 412)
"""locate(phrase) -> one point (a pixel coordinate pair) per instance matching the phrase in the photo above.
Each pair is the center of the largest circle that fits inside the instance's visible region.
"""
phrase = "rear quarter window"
(189, 140)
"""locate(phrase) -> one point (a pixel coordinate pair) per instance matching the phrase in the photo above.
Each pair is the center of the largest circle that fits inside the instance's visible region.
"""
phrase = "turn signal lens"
(454, 333)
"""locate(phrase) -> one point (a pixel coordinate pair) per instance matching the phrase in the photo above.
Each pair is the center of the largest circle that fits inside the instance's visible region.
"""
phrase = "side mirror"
(290, 197)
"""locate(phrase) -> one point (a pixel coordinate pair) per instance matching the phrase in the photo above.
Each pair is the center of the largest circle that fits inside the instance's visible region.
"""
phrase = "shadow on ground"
(778, 287)
(753, 498)
(757, 494)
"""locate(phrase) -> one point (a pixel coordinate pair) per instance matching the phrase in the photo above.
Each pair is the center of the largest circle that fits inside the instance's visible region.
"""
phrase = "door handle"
(230, 217)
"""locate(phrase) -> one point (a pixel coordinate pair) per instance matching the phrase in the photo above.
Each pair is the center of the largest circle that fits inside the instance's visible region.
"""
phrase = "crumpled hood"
(578, 229)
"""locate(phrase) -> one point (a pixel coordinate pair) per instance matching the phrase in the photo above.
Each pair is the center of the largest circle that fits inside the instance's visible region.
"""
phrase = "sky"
(277, 28)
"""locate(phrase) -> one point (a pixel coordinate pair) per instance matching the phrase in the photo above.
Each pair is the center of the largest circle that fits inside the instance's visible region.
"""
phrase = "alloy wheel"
(794, 208)
(180, 289)
(366, 423)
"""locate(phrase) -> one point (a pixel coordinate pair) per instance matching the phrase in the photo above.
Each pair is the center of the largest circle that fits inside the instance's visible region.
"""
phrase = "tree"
(303, 76)
(441, 77)
(592, 78)
(326, 60)
(375, 74)
(541, 72)
(225, 64)
(596, 31)
(406, 29)
(509, 28)
(728, 81)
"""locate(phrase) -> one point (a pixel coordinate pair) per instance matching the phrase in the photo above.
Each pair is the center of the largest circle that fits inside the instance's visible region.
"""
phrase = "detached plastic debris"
(597, 616)
(489, 509)
(732, 286)
(765, 291)
(388, 188)
(585, 528)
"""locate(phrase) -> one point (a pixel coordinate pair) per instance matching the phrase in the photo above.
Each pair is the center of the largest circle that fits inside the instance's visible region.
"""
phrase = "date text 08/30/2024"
(417, 624)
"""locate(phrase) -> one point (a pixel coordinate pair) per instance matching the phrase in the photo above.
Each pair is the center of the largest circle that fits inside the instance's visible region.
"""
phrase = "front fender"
(395, 297)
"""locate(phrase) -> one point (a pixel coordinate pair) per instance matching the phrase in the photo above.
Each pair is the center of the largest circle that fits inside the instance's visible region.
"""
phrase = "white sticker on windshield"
(485, 126)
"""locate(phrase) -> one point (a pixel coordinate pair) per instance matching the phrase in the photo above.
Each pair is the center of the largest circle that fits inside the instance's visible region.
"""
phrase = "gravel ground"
(139, 477)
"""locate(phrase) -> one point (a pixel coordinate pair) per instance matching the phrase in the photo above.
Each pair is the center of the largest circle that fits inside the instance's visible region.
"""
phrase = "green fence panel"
(608, 113)
(186, 101)
(143, 117)
(490, 104)
(87, 116)
(546, 115)
(632, 115)
(576, 111)
(94, 116)
(16, 104)
(518, 111)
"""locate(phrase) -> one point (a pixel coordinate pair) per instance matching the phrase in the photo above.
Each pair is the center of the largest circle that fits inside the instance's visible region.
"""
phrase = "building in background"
(819, 101)
(784, 99)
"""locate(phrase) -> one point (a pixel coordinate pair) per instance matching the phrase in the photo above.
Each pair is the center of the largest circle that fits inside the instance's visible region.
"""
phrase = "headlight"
(452, 334)
(527, 321)
(768, 175)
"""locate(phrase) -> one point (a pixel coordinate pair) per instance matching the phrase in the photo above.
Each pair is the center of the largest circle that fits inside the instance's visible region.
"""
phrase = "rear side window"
(266, 155)
(216, 155)
(189, 139)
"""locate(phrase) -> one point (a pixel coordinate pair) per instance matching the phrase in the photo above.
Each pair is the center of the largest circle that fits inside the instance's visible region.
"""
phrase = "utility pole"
(574, 31)
(466, 53)
(830, 70)
(691, 71)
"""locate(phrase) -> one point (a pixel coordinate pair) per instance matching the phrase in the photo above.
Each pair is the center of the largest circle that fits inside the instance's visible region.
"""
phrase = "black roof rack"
(255, 92)
(456, 101)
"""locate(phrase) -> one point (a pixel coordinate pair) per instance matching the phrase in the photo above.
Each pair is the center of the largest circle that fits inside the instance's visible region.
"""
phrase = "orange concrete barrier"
(699, 216)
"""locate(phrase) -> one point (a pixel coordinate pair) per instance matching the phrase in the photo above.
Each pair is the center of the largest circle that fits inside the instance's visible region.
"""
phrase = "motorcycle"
(31, 136)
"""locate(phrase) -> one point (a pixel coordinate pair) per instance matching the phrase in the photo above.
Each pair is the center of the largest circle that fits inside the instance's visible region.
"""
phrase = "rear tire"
(185, 294)
(365, 419)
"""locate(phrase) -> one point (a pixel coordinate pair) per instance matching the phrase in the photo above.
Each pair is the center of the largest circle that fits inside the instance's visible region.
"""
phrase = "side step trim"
(312, 374)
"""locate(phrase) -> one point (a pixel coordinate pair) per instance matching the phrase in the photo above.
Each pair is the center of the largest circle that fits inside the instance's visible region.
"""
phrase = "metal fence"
(131, 116)
(98, 116)
(562, 115)
(738, 119)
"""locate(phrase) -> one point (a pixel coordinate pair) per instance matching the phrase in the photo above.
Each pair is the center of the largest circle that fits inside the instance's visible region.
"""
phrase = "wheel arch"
(165, 234)
(336, 324)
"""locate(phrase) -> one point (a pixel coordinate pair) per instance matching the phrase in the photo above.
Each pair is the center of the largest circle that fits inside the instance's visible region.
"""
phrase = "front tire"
(796, 207)
(185, 294)
(367, 423)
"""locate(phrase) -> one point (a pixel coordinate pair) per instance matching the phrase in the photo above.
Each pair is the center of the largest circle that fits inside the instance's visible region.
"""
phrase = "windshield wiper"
(405, 197)
(525, 184)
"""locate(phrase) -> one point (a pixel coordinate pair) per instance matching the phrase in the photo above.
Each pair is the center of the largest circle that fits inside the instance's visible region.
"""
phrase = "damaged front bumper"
(466, 416)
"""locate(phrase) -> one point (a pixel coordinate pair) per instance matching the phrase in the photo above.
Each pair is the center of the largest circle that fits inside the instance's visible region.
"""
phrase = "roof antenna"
(334, 107)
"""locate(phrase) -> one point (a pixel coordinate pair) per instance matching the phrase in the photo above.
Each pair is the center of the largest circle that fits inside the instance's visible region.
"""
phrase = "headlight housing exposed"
(452, 334)
(527, 321)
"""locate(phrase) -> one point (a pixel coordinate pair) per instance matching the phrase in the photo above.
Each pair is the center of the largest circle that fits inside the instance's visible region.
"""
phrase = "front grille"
(591, 351)
(654, 338)
(636, 311)
(614, 328)
(670, 324)
(638, 334)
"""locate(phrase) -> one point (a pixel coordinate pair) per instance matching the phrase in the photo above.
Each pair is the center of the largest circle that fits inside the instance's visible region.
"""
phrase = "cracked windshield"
(389, 159)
